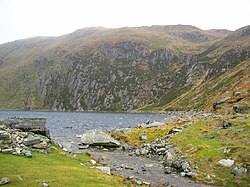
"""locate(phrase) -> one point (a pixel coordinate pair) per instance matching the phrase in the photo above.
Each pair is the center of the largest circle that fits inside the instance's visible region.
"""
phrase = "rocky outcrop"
(116, 76)
(20, 143)
(35, 125)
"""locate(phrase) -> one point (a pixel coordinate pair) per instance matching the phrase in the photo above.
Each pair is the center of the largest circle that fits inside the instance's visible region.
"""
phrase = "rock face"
(117, 69)
(98, 137)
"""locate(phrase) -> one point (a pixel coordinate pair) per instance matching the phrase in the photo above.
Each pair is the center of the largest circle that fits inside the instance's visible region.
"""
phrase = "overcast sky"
(27, 18)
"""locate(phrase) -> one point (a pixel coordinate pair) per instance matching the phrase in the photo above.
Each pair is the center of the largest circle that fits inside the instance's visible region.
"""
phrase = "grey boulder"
(98, 137)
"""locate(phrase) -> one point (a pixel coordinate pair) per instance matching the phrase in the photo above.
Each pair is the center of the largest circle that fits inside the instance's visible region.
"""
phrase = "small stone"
(139, 183)
(144, 151)
(4, 180)
(225, 124)
(161, 150)
(236, 94)
(45, 185)
(103, 160)
(170, 156)
(167, 170)
(65, 149)
(42, 145)
(92, 162)
(129, 167)
(131, 177)
(4, 135)
(149, 165)
(211, 183)
(226, 150)
(168, 163)
(137, 152)
(208, 177)
(7, 150)
(239, 171)
(17, 151)
(226, 162)
(176, 164)
(75, 157)
(185, 166)
(83, 146)
(182, 174)
(241, 130)
(63, 153)
(105, 170)
(146, 183)
(143, 137)
(190, 174)
(27, 153)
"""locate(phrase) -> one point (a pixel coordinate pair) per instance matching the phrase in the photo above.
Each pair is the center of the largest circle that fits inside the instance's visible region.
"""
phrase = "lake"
(66, 125)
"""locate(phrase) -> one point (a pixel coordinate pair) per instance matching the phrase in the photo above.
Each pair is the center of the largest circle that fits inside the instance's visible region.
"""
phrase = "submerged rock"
(98, 137)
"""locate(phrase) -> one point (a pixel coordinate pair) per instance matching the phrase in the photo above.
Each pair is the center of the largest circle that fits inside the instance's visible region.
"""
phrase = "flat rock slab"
(226, 162)
(98, 137)
(143, 169)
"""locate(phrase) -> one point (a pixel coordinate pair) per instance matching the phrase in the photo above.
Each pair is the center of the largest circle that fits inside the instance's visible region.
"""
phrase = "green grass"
(204, 152)
(61, 170)
(133, 136)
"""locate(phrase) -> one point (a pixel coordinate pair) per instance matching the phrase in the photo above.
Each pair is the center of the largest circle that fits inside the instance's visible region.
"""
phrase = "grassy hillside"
(153, 68)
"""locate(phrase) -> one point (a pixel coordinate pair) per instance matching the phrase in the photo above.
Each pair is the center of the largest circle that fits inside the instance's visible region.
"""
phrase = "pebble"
(92, 162)
(4, 180)
(226, 162)
(45, 185)
(105, 170)
(239, 171)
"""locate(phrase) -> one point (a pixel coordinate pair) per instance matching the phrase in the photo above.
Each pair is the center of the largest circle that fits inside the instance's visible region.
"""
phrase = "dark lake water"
(69, 124)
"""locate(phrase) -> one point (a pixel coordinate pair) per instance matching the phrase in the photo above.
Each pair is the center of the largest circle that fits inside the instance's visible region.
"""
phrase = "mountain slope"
(118, 69)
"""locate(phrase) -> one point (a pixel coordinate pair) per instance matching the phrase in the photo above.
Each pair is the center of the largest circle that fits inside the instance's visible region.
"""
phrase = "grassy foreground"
(203, 143)
(56, 168)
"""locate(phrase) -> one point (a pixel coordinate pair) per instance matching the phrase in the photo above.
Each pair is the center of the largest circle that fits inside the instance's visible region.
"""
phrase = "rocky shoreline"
(160, 158)
(156, 163)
